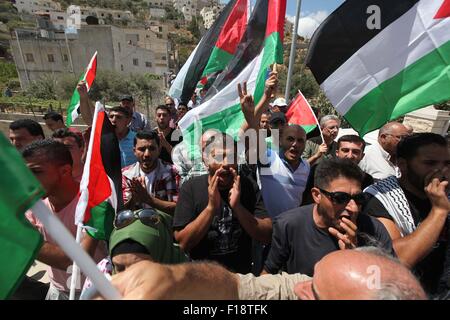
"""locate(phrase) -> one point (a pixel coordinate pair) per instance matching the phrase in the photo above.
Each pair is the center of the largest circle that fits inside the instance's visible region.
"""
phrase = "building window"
(159, 36)
(163, 58)
(29, 57)
(135, 62)
(118, 16)
(121, 67)
(118, 44)
(148, 64)
(51, 58)
(65, 57)
(60, 18)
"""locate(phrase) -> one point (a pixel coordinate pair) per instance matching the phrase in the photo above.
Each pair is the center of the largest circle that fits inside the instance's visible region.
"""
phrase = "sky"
(313, 12)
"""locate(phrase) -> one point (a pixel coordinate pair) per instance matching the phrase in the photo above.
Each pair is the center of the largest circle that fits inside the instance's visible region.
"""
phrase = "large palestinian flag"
(262, 45)
(100, 188)
(227, 43)
(193, 70)
(73, 111)
(372, 76)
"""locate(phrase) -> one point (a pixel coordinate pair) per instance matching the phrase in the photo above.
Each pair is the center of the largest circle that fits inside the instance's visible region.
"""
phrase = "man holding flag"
(51, 162)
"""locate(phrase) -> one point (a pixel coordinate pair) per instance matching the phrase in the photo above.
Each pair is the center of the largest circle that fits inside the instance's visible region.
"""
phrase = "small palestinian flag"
(375, 67)
(301, 113)
(101, 184)
(73, 111)
(227, 43)
(191, 72)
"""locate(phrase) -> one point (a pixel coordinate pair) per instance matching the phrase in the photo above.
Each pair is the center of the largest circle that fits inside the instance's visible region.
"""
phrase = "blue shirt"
(126, 145)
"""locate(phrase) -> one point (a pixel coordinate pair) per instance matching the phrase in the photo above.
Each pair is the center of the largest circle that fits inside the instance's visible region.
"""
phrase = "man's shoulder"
(295, 216)
(197, 181)
(131, 169)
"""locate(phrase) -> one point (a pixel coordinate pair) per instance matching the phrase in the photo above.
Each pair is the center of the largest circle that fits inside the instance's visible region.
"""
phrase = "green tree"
(194, 28)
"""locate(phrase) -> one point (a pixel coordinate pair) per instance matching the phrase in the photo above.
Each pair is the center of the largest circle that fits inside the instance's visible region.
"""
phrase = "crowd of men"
(293, 217)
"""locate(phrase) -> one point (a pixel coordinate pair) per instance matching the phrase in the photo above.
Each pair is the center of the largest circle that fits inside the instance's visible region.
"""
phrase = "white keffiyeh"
(392, 197)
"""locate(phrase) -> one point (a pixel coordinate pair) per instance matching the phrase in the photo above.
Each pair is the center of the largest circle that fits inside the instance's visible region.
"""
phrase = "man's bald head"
(364, 274)
(390, 135)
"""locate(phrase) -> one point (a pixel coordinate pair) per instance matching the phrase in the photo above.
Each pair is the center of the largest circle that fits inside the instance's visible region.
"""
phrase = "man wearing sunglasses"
(414, 208)
(348, 147)
(304, 235)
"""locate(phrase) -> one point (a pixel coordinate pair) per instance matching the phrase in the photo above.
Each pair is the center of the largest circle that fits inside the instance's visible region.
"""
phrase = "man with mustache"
(219, 213)
(304, 235)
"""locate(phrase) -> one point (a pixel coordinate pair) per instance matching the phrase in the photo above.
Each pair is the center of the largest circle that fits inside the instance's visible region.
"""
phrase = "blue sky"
(313, 12)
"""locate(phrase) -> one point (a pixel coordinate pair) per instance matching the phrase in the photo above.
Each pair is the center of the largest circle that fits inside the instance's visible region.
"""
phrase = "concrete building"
(209, 14)
(192, 8)
(159, 3)
(32, 6)
(37, 53)
(157, 13)
(104, 16)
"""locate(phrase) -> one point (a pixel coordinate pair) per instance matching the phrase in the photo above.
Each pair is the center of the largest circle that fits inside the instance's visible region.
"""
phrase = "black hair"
(54, 151)
(351, 138)
(330, 169)
(31, 126)
(162, 107)
(408, 146)
(147, 135)
(55, 116)
(66, 133)
(121, 109)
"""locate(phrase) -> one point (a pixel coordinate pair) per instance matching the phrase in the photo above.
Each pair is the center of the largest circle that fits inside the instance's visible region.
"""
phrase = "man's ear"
(316, 195)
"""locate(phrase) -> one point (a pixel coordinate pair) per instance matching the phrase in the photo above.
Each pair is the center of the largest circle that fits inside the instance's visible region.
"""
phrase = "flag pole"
(67, 243)
(293, 49)
(75, 269)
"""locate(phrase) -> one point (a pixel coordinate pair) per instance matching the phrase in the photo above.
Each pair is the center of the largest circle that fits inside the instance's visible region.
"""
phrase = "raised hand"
(213, 192)
(234, 196)
(436, 184)
(271, 84)
(246, 100)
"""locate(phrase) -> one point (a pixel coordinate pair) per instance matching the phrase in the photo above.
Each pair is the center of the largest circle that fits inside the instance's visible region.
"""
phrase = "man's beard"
(417, 181)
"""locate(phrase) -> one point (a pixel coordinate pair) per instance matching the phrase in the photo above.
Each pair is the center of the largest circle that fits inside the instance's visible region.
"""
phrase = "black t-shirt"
(164, 155)
(307, 197)
(298, 244)
(226, 241)
(430, 269)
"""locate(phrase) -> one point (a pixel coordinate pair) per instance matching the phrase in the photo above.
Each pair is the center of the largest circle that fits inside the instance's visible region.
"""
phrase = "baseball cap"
(281, 102)
(127, 97)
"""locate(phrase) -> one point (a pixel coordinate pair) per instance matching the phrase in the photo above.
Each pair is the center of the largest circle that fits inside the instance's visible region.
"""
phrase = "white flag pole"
(67, 243)
(75, 269)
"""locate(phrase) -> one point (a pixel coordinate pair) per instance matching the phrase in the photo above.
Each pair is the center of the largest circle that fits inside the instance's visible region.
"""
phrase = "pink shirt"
(59, 278)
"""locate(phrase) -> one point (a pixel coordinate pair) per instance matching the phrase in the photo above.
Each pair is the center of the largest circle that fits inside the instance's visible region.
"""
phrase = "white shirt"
(376, 162)
(281, 187)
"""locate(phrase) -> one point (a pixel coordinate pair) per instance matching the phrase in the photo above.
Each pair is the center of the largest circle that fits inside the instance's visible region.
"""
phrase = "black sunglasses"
(124, 218)
(344, 198)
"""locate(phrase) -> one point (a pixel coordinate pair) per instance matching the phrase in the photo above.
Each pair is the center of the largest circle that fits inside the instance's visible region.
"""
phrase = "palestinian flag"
(227, 42)
(301, 113)
(262, 46)
(73, 111)
(100, 188)
(19, 241)
(192, 71)
(372, 76)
